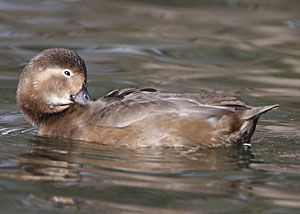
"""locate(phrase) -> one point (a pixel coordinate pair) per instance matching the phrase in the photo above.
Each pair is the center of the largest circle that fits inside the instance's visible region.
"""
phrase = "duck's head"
(51, 82)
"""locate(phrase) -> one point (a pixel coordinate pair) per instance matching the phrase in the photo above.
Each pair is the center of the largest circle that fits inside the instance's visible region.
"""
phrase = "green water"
(249, 49)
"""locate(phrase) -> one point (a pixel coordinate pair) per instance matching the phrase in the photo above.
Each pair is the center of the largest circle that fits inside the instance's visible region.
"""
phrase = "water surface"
(249, 49)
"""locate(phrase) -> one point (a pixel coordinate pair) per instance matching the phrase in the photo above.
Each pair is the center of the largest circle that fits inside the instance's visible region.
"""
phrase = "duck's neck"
(58, 124)
(39, 119)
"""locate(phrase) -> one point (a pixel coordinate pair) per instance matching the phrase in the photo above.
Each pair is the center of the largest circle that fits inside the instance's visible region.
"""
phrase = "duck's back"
(146, 117)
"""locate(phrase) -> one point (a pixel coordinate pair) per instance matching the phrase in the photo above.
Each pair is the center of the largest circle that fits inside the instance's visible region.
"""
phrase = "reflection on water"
(132, 177)
(77, 176)
(249, 49)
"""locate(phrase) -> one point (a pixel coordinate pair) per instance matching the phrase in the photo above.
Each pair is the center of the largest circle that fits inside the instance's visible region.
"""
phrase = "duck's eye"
(67, 73)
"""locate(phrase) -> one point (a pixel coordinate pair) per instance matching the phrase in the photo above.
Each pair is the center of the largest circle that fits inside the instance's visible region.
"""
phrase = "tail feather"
(257, 111)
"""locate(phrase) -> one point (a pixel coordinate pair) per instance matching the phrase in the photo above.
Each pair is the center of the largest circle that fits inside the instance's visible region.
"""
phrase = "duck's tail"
(257, 111)
(250, 117)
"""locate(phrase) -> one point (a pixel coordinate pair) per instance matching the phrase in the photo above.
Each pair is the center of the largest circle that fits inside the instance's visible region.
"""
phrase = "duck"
(53, 97)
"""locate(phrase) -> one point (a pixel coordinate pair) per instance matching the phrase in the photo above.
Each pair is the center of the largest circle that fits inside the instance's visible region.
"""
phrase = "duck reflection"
(68, 161)
(119, 176)
(47, 160)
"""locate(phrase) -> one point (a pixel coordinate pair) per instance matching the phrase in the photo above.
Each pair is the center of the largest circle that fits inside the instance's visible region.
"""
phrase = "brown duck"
(53, 97)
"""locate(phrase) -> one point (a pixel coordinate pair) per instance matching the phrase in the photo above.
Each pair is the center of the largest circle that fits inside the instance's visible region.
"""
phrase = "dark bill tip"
(82, 97)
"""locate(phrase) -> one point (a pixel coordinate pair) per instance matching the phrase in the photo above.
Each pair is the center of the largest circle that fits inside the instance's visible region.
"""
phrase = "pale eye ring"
(67, 73)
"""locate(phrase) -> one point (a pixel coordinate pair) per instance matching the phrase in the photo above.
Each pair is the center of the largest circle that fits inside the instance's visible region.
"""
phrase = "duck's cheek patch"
(54, 100)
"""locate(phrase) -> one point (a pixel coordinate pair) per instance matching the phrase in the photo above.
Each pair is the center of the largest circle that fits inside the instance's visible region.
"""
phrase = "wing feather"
(126, 106)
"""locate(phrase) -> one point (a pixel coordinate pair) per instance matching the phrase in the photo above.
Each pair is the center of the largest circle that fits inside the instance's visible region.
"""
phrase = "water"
(248, 49)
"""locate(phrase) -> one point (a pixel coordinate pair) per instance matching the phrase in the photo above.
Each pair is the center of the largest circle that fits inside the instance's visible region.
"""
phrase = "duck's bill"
(82, 97)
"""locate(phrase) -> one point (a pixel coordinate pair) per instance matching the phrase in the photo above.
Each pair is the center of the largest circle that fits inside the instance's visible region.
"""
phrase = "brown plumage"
(53, 97)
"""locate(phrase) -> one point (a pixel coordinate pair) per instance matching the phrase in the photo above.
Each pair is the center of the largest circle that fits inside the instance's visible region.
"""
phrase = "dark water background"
(245, 48)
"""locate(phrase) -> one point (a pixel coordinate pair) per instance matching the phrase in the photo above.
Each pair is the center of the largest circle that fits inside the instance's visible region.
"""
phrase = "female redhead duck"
(53, 97)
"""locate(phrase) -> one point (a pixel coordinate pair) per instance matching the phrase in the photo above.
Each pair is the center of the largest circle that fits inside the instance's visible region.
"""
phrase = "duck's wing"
(121, 108)
(203, 97)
